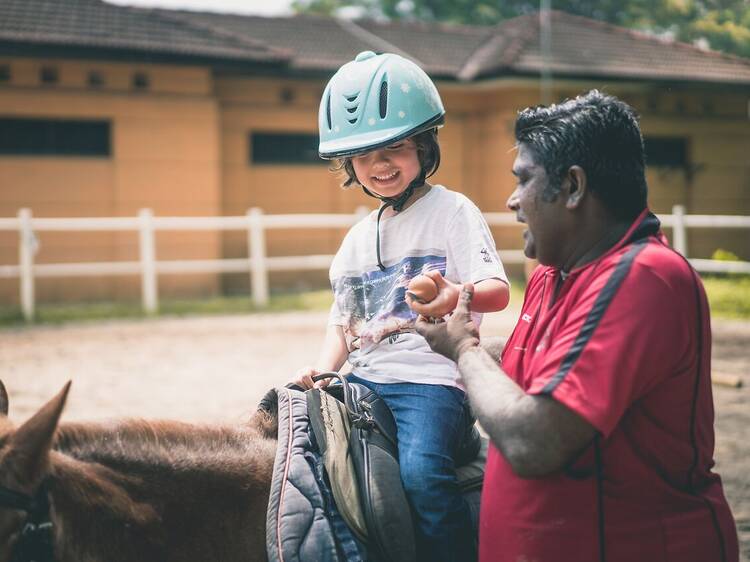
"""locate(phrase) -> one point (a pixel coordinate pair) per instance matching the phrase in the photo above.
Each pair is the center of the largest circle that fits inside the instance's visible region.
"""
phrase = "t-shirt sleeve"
(335, 317)
(472, 256)
(612, 348)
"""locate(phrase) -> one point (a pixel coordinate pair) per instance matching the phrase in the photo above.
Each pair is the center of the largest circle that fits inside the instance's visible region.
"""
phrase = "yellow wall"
(182, 148)
(165, 155)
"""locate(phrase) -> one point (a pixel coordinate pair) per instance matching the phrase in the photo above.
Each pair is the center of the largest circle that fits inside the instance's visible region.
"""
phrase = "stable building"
(105, 110)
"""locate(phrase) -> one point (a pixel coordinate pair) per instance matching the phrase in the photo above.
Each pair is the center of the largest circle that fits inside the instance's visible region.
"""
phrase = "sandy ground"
(217, 369)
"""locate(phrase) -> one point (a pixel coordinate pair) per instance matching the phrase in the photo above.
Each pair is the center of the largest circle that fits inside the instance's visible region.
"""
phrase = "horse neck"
(152, 488)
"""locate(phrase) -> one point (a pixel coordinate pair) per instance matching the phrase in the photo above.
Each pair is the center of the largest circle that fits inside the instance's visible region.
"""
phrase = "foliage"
(724, 255)
(723, 24)
(729, 297)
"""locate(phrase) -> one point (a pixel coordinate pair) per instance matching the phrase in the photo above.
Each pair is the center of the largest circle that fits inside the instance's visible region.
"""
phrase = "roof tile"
(93, 23)
(580, 46)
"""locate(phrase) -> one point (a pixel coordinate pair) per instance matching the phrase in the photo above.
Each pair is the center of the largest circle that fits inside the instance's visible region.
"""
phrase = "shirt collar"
(645, 225)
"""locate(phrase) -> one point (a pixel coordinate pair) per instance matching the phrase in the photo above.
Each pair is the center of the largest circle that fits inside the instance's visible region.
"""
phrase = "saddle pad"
(331, 430)
(297, 529)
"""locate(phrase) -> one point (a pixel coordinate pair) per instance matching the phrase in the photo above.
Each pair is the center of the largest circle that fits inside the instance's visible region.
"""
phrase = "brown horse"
(137, 490)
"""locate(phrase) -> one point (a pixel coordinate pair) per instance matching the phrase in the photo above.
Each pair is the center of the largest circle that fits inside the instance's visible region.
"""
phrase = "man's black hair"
(600, 134)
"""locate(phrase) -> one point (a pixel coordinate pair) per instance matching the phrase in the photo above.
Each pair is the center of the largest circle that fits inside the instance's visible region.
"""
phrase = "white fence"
(257, 264)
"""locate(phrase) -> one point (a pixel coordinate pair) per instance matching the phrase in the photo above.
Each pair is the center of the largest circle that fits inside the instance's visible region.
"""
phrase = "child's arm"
(333, 355)
(490, 295)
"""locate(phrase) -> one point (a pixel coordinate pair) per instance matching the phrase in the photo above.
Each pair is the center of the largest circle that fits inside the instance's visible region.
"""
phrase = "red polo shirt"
(626, 344)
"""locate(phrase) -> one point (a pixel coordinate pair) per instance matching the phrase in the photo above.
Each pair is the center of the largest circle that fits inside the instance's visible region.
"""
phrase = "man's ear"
(576, 187)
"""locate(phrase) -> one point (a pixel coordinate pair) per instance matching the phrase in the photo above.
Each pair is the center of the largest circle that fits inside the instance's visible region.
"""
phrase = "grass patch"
(87, 312)
(517, 290)
(729, 297)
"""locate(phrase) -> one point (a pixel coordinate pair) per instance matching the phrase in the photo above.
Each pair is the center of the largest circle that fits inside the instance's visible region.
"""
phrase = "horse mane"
(173, 444)
(124, 475)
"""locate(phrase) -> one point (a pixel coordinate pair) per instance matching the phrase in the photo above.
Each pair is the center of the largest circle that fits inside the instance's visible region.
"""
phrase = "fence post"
(147, 243)
(27, 245)
(679, 233)
(256, 244)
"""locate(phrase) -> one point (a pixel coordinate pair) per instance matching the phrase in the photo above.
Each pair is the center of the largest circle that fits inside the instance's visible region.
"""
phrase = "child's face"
(388, 171)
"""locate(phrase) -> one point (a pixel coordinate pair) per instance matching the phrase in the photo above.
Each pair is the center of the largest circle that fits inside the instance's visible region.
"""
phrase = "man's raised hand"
(459, 333)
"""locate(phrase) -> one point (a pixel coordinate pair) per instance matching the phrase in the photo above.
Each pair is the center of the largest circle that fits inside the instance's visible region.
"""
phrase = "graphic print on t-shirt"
(374, 303)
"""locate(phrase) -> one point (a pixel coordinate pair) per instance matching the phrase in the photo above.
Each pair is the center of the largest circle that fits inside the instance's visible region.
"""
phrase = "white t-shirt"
(443, 230)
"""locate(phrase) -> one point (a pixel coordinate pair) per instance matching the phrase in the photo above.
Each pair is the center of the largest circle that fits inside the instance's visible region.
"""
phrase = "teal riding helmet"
(374, 101)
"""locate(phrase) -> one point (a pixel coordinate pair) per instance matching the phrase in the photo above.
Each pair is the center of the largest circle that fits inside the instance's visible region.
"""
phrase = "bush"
(729, 297)
(724, 255)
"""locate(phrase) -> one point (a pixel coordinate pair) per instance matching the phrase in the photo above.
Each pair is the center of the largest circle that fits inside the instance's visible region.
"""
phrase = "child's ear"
(576, 186)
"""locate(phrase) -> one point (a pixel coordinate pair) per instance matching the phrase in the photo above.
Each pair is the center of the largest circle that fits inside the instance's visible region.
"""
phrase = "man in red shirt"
(600, 412)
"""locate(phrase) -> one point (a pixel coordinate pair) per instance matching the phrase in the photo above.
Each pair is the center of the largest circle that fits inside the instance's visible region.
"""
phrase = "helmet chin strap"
(397, 203)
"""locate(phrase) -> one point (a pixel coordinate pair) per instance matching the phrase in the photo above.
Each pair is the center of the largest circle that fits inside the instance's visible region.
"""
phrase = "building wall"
(716, 179)
(164, 155)
(182, 147)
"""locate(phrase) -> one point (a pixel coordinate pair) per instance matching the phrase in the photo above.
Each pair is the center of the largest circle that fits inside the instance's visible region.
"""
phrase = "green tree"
(724, 24)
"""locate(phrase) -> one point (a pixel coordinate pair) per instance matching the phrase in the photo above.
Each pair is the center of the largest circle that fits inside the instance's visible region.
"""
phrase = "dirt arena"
(217, 368)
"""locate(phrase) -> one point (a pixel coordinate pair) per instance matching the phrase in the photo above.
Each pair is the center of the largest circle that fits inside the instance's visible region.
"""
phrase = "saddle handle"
(362, 416)
(334, 375)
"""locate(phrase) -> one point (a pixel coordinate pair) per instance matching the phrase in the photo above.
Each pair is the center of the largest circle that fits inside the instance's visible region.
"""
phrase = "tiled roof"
(95, 24)
(585, 47)
(580, 47)
(441, 49)
(314, 42)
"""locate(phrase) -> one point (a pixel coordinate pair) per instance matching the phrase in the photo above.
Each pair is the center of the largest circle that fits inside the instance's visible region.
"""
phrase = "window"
(48, 75)
(140, 81)
(95, 79)
(54, 137)
(284, 148)
(669, 152)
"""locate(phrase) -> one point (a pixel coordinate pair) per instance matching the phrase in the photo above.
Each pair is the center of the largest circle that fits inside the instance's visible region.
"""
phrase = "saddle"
(356, 435)
(336, 490)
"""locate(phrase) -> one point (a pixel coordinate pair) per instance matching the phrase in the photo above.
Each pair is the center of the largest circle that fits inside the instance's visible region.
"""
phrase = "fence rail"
(257, 264)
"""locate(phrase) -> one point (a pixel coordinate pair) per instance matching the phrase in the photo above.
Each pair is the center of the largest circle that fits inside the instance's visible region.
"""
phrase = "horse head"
(24, 463)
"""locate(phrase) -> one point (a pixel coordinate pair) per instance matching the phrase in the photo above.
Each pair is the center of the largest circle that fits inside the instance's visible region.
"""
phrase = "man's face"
(542, 238)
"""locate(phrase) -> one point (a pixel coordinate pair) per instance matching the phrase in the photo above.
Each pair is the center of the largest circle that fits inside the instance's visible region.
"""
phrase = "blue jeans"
(429, 419)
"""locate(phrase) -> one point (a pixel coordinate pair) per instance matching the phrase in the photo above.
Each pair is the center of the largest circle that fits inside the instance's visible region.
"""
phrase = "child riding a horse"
(378, 120)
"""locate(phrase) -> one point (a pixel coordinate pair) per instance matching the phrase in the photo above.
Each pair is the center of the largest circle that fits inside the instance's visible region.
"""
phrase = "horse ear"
(30, 444)
(3, 400)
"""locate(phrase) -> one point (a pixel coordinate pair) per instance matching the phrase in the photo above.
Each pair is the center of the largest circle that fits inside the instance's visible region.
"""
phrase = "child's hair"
(428, 152)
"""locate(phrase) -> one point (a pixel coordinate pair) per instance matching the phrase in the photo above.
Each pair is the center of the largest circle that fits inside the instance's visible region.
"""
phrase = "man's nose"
(512, 202)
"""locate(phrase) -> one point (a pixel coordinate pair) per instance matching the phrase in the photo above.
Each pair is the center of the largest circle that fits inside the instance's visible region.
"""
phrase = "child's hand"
(303, 378)
(443, 304)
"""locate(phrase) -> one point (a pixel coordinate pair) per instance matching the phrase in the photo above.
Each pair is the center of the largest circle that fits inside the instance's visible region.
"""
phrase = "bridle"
(36, 542)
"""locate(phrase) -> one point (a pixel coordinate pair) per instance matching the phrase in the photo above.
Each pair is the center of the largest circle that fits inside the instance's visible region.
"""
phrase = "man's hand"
(458, 334)
(441, 305)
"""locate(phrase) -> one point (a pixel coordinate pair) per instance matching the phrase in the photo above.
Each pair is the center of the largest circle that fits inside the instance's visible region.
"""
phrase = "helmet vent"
(383, 98)
(352, 121)
(352, 98)
(352, 109)
(328, 111)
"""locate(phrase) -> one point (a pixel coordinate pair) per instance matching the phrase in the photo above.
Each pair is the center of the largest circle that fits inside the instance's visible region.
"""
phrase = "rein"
(36, 542)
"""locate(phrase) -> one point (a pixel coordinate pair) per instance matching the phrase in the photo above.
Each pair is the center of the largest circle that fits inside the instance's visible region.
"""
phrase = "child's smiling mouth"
(386, 178)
